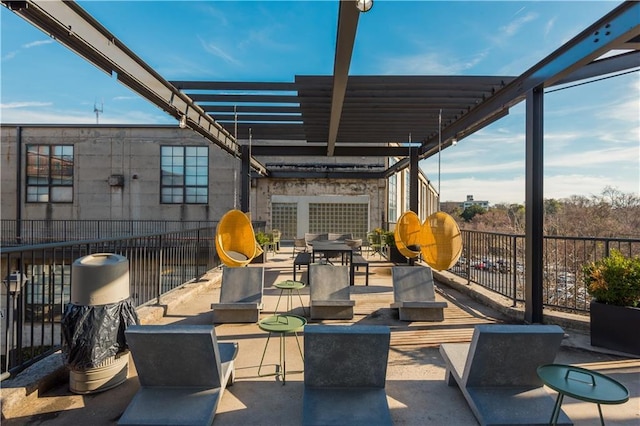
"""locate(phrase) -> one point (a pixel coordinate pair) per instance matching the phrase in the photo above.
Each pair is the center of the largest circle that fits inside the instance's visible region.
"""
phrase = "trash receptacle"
(94, 323)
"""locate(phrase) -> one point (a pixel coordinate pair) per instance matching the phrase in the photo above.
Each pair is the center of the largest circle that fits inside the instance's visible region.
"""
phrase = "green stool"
(290, 286)
(281, 324)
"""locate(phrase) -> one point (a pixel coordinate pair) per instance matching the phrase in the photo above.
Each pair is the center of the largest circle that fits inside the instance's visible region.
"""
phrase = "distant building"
(471, 202)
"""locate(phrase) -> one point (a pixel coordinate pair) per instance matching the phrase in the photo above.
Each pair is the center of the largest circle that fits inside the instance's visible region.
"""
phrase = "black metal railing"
(496, 262)
(37, 286)
(15, 233)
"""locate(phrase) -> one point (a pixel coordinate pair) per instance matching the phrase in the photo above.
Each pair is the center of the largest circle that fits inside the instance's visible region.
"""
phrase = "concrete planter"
(396, 257)
(615, 327)
(259, 259)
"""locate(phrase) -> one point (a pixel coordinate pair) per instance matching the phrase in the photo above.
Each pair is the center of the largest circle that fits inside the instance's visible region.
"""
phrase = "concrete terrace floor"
(416, 390)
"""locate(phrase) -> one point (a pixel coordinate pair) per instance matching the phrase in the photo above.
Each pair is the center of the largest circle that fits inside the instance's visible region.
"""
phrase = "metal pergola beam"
(320, 150)
(345, 39)
(612, 31)
(73, 27)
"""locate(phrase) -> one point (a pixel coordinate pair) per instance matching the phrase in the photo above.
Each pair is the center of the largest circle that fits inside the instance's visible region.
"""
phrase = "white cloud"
(14, 105)
(430, 63)
(22, 116)
(614, 157)
(564, 186)
(512, 190)
(495, 191)
(216, 51)
(37, 43)
(514, 26)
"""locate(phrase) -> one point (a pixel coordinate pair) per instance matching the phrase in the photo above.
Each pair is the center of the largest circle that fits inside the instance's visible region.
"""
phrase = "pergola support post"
(245, 178)
(534, 205)
(414, 183)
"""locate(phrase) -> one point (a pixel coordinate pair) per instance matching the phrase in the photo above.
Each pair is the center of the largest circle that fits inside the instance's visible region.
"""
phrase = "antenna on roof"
(97, 110)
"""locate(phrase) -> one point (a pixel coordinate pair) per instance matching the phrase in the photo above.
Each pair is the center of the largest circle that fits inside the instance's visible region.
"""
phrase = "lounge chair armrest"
(419, 305)
(333, 302)
(249, 305)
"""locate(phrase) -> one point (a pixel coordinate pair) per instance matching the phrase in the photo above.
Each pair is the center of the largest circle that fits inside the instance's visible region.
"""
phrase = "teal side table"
(582, 384)
(281, 325)
(290, 286)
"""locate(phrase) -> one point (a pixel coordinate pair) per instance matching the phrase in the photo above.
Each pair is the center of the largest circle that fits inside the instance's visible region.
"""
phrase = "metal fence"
(22, 232)
(37, 286)
(496, 262)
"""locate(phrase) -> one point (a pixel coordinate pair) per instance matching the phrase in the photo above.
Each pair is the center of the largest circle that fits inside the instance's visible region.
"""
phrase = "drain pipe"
(19, 185)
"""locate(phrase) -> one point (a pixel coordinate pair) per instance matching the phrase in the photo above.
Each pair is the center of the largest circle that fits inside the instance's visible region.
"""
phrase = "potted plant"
(394, 254)
(614, 284)
(262, 239)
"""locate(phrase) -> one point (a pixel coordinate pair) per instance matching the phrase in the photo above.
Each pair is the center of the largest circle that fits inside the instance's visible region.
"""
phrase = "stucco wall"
(267, 188)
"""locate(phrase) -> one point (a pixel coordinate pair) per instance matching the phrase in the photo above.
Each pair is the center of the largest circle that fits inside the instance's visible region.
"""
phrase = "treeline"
(612, 213)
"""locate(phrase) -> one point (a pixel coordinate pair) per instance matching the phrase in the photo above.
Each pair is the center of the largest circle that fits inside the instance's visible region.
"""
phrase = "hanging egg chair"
(442, 243)
(235, 239)
(408, 235)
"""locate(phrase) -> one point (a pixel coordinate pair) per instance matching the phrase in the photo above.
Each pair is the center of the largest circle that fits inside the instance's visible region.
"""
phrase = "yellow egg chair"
(408, 235)
(442, 243)
(235, 239)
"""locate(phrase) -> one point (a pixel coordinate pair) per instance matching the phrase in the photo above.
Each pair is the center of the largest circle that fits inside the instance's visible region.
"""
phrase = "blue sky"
(592, 131)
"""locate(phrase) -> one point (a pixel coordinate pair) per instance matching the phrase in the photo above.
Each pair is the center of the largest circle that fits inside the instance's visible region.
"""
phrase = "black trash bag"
(92, 334)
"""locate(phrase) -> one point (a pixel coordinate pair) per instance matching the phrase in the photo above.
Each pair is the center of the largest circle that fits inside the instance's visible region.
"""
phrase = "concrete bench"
(240, 295)
(183, 372)
(414, 295)
(300, 260)
(358, 261)
(329, 293)
(345, 370)
(497, 375)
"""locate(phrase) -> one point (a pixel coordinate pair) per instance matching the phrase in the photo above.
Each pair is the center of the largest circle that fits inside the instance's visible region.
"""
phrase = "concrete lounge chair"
(240, 295)
(330, 297)
(345, 370)
(414, 295)
(183, 372)
(496, 372)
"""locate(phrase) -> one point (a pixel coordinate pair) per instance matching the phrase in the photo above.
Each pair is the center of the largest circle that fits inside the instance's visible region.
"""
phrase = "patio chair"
(235, 239)
(355, 244)
(497, 375)
(414, 295)
(345, 370)
(329, 293)
(441, 241)
(299, 245)
(309, 238)
(183, 372)
(334, 236)
(275, 239)
(408, 235)
(375, 244)
(240, 295)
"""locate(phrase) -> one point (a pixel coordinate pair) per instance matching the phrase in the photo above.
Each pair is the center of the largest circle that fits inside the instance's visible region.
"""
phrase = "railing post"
(160, 258)
(514, 263)
(467, 257)
(198, 254)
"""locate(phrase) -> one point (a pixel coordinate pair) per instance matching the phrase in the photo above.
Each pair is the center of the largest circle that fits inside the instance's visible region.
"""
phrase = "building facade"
(110, 172)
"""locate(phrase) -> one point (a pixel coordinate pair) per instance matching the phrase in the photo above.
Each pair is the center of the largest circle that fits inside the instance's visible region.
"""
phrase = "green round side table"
(290, 286)
(580, 383)
(281, 324)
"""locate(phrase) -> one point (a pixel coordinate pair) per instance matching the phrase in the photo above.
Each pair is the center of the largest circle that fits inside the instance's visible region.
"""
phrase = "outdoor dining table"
(334, 248)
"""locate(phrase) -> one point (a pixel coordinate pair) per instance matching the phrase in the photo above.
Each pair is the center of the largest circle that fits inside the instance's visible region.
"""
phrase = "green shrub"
(262, 238)
(614, 280)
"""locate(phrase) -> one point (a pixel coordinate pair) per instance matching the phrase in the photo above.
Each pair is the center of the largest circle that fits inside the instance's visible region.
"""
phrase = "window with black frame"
(184, 175)
(49, 173)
